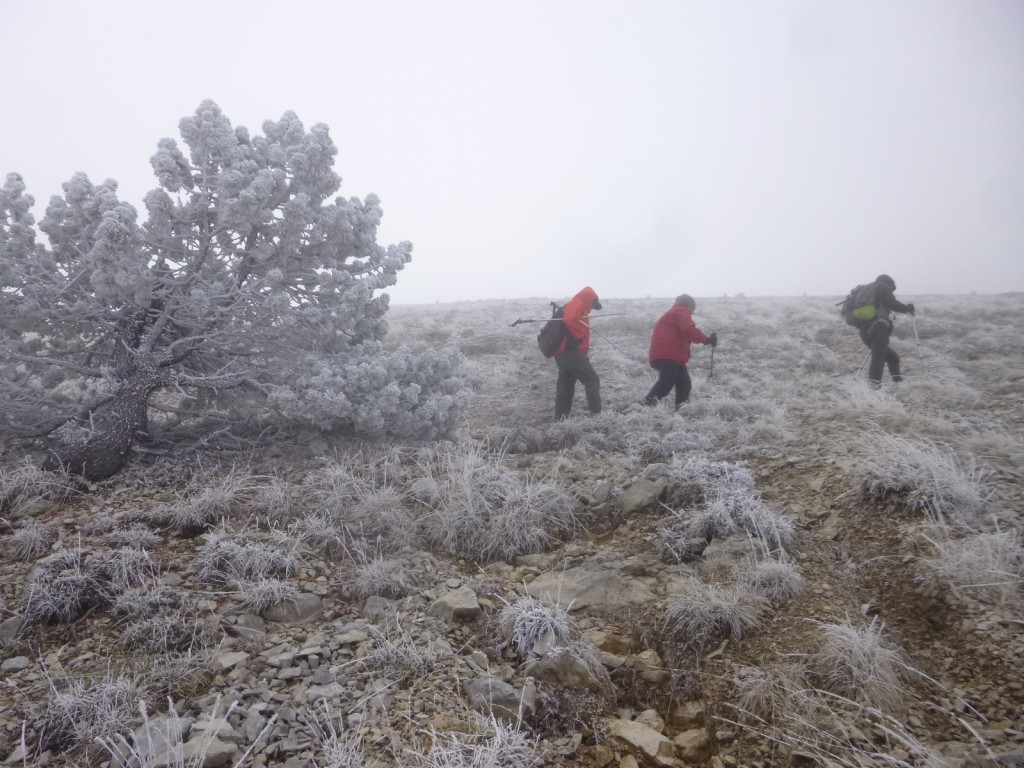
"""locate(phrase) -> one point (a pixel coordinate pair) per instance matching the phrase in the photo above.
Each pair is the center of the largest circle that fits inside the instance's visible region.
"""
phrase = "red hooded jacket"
(673, 334)
(576, 320)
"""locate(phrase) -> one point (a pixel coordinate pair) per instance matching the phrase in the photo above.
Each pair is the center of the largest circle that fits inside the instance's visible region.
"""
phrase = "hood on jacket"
(589, 296)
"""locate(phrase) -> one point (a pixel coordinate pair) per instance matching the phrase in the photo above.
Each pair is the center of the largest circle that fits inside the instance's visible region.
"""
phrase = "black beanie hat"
(886, 280)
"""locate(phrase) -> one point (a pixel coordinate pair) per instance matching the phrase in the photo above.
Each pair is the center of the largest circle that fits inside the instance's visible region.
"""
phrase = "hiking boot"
(874, 384)
(649, 401)
(897, 377)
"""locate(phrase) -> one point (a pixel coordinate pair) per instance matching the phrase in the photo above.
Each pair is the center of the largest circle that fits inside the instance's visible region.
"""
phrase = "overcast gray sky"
(528, 148)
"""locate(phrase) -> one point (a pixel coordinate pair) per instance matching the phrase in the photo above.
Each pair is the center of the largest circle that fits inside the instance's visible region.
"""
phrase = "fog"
(531, 148)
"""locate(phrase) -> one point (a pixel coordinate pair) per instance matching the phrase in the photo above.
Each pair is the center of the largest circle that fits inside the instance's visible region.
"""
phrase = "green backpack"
(859, 306)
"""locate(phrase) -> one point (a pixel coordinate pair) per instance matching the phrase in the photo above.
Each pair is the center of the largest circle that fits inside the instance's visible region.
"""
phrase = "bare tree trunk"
(106, 452)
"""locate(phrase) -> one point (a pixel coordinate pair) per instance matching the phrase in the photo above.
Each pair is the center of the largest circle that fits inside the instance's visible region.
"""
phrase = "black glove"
(910, 308)
(712, 340)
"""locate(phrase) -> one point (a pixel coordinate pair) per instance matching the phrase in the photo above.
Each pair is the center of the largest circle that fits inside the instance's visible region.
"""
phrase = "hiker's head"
(886, 281)
(687, 301)
(595, 304)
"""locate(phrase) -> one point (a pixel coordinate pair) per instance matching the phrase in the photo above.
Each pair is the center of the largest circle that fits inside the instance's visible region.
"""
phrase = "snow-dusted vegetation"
(791, 569)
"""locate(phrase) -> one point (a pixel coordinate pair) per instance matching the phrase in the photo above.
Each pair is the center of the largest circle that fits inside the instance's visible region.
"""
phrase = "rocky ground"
(388, 679)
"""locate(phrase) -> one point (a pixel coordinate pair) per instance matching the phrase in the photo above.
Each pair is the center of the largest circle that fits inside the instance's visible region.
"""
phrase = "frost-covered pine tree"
(250, 294)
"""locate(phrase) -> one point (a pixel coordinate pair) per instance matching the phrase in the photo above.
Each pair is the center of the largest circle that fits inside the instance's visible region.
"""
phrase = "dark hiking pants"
(574, 366)
(670, 374)
(876, 337)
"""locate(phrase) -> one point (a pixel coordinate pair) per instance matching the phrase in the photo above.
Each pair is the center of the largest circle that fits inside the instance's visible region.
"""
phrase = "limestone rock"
(458, 605)
(656, 748)
(297, 611)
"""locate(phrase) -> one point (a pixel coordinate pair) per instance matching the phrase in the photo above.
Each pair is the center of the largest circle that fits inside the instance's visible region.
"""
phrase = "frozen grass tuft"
(165, 633)
(859, 664)
(950, 488)
(336, 748)
(247, 559)
(123, 569)
(477, 509)
(528, 626)
(81, 712)
(776, 579)
(770, 693)
(24, 483)
(276, 503)
(162, 741)
(401, 660)
(988, 567)
(377, 576)
(32, 539)
(60, 589)
(493, 744)
(137, 536)
(705, 612)
(207, 501)
(260, 595)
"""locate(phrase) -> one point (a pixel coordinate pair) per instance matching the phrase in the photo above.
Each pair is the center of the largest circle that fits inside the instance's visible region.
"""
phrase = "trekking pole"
(711, 373)
(866, 358)
(913, 324)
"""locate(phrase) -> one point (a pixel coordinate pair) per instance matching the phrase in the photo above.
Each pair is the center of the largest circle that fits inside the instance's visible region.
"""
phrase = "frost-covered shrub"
(32, 539)
(949, 487)
(144, 601)
(528, 625)
(701, 613)
(860, 664)
(474, 507)
(336, 747)
(279, 318)
(984, 566)
(413, 393)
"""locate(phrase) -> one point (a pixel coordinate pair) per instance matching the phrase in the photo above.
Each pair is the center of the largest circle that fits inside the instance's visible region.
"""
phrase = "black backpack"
(858, 308)
(552, 332)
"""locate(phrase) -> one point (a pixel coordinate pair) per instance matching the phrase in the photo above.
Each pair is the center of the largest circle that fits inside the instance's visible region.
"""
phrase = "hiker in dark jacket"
(875, 333)
(670, 350)
(571, 357)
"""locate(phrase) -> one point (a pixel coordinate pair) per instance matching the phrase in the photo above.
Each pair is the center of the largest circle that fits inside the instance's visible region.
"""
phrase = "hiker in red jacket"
(670, 350)
(571, 357)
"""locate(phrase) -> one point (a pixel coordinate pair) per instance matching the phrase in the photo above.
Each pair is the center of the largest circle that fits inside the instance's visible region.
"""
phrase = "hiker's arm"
(886, 298)
(689, 331)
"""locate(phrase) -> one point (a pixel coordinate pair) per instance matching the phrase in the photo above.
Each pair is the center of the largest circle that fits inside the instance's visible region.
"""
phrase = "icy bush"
(402, 659)
(23, 483)
(208, 499)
